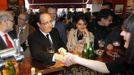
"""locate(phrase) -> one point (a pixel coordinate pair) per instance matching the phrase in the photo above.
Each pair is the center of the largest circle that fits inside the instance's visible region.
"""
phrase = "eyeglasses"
(46, 23)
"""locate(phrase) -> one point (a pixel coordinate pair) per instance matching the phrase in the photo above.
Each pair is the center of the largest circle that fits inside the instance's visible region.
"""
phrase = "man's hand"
(58, 57)
(68, 59)
(62, 51)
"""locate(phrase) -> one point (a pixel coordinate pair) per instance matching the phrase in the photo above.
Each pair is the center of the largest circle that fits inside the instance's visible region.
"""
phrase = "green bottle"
(10, 68)
(91, 53)
(88, 51)
(84, 53)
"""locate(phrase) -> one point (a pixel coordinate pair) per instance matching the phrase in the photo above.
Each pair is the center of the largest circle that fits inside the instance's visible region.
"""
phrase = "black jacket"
(38, 46)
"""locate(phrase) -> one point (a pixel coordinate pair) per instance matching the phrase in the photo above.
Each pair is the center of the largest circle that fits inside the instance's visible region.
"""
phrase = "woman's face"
(81, 26)
(126, 36)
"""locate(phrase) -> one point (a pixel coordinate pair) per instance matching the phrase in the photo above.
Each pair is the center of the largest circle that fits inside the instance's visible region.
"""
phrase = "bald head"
(52, 11)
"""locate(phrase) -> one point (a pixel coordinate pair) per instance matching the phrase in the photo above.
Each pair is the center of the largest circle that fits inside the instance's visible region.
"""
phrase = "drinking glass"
(79, 47)
(101, 44)
(116, 45)
(101, 49)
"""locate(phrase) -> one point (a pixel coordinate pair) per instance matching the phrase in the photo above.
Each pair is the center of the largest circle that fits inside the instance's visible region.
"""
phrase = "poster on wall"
(119, 9)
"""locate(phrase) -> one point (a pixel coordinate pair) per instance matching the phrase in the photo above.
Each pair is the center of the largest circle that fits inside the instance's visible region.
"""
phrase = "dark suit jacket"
(62, 31)
(3, 44)
(38, 45)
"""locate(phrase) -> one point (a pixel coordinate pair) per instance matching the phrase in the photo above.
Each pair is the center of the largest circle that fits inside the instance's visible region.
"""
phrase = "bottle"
(84, 53)
(9, 68)
(88, 51)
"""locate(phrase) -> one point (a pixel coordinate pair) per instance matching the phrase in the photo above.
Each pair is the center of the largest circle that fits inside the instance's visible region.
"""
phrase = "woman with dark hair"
(120, 64)
(78, 35)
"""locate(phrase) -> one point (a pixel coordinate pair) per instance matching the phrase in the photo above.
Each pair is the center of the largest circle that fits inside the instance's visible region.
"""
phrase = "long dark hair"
(129, 26)
(81, 18)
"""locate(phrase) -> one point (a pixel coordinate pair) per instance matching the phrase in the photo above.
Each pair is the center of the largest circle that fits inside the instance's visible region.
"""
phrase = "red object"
(9, 44)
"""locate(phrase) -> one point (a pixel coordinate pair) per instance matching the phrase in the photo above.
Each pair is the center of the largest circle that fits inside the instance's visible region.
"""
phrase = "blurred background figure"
(58, 25)
(23, 29)
(101, 29)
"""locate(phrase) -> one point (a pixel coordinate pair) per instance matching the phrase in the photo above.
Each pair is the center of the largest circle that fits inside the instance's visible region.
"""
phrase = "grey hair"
(4, 15)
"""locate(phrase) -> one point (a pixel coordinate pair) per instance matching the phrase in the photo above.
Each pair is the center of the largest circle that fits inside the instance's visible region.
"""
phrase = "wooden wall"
(3, 4)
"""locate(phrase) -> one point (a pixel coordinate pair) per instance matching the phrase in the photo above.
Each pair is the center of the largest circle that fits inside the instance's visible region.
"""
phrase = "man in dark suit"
(39, 42)
(6, 26)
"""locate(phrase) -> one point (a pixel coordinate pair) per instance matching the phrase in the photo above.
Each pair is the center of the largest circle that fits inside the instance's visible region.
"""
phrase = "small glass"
(101, 44)
(79, 47)
(101, 50)
(116, 45)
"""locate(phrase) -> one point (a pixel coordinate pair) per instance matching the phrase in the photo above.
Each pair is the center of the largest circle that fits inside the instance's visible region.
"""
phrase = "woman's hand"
(85, 32)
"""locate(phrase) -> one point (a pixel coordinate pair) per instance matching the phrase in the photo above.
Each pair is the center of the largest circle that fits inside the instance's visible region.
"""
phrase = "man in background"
(23, 29)
(58, 25)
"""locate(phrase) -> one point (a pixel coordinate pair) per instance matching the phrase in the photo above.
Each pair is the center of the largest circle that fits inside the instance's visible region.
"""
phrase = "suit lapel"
(2, 44)
(43, 39)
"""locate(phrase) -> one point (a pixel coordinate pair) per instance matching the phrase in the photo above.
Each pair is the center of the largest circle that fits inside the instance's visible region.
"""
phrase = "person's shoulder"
(60, 23)
(35, 34)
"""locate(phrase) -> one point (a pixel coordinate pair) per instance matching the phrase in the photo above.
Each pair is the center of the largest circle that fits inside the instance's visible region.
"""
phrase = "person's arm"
(92, 64)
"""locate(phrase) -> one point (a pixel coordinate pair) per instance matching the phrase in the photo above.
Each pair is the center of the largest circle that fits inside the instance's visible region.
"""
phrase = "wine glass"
(116, 45)
(79, 47)
(100, 51)
(101, 44)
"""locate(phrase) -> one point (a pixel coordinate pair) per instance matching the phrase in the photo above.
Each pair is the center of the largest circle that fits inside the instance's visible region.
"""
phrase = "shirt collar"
(2, 34)
(43, 32)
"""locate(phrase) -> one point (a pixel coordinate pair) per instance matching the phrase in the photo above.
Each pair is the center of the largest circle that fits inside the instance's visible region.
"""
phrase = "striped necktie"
(9, 44)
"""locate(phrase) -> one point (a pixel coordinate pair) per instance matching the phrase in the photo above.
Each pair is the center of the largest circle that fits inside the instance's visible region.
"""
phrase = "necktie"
(9, 44)
(49, 41)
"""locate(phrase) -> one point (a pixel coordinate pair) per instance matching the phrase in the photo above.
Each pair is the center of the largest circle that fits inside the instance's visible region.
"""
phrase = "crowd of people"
(44, 34)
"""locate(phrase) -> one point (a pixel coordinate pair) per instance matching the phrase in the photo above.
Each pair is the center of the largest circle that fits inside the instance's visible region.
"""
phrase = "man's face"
(52, 12)
(21, 20)
(45, 23)
(106, 22)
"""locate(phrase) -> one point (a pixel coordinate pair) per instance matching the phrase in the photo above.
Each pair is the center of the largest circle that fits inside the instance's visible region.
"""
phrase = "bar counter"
(26, 65)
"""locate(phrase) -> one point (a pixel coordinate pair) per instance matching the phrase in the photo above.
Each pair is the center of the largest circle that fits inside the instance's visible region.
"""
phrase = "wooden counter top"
(26, 65)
